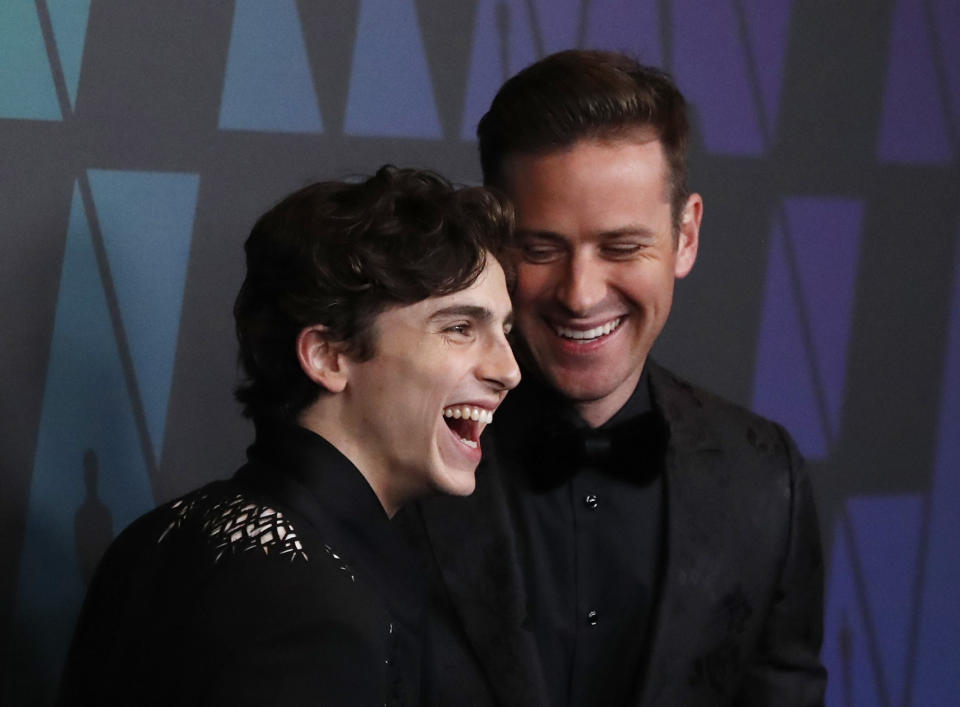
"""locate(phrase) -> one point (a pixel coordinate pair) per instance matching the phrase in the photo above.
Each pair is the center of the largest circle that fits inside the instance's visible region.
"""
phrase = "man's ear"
(321, 359)
(688, 238)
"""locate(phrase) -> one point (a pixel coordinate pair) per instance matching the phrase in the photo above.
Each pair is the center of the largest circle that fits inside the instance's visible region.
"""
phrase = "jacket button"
(590, 501)
(592, 617)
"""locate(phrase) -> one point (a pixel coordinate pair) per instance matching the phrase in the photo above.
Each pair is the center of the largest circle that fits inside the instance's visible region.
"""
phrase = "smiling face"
(597, 261)
(401, 413)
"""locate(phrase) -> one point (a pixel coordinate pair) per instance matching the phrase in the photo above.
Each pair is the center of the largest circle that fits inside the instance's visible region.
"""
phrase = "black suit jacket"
(284, 586)
(739, 616)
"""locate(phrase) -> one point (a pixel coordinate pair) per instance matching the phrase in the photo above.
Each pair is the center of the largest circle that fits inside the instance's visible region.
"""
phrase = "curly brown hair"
(338, 254)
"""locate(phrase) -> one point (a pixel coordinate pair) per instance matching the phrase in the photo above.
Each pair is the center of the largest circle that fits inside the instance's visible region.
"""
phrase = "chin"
(457, 482)
(579, 388)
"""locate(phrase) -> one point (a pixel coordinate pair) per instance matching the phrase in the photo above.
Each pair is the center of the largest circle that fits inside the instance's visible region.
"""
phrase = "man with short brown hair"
(635, 540)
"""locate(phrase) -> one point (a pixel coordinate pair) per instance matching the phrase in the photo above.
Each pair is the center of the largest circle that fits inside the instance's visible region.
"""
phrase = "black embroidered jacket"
(284, 586)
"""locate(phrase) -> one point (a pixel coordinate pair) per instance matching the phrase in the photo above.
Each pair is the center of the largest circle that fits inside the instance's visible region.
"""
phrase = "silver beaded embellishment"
(236, 526)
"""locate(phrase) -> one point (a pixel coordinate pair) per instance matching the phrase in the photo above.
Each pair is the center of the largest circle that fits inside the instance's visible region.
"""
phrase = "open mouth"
(585, 336)
(467, 422)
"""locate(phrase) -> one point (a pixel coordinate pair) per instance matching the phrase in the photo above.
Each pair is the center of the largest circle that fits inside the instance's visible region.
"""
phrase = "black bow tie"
(632, 449)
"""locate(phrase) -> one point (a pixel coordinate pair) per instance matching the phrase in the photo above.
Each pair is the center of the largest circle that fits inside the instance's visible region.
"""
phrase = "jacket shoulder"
(225, 526)
(698, 414)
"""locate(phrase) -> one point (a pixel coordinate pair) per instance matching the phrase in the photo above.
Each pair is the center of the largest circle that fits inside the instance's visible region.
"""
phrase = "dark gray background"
(804, 112)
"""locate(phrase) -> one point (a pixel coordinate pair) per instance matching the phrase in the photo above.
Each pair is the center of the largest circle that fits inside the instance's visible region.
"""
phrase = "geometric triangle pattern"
(26, 84)
(938, 678)
(626, 26)
(921, 103)
(506, 35)
(69, 21)
(739, 77)
(511, 34)
(146, 219)
(801, 365)
(870, 600)
(268, 84)
(88, 456)
(391, 91)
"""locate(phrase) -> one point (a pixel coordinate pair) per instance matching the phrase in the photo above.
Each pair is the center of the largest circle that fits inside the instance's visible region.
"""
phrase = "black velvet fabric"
(181, 613)
(738, 619)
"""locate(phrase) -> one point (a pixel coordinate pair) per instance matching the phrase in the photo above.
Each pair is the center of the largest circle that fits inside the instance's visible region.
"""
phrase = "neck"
(596, 412)
(332, 428)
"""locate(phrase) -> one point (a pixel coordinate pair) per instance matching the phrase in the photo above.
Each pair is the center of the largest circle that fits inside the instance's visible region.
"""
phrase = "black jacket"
(284, 586)
(739, 619)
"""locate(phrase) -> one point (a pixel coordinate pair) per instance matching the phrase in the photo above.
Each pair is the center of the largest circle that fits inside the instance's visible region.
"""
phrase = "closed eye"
(621, 250)
(539, 248)
(540, 253)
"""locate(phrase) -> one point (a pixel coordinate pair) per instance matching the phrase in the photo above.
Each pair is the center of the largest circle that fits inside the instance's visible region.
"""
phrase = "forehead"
(594, 185)
(586, 162)
(487, 293)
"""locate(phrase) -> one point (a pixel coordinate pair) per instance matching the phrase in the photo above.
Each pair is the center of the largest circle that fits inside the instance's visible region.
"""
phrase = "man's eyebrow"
(536, 233)
(628, 230)
(474, 311)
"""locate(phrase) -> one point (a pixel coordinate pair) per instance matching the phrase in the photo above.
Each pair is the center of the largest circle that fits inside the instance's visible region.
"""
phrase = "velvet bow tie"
(631, 448)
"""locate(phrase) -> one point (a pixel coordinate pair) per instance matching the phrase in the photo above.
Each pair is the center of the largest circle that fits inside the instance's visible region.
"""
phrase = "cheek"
(645, 288)
(532, 285)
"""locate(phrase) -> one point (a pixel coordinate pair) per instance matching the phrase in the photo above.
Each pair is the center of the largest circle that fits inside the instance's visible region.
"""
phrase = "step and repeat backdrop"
(139, 140)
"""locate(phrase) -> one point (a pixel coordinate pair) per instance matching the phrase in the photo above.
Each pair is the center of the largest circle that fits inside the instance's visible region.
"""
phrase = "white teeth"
(466, 412)
(469, 443)
(595, 333)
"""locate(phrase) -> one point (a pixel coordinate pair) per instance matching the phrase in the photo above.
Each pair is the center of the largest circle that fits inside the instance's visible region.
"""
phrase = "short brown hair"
(580, 94)
(339, 254)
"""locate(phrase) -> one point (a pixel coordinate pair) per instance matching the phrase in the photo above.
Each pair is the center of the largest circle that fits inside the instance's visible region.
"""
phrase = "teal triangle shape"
(26, 84)
(86, 406)
(268, 84)
(69, 20)
(391, 92)
(146, 219)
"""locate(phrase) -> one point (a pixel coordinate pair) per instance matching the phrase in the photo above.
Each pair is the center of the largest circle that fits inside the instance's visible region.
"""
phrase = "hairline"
(635, 133)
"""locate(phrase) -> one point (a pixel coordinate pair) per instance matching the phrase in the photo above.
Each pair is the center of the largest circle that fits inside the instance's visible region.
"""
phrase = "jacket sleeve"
(786, 670)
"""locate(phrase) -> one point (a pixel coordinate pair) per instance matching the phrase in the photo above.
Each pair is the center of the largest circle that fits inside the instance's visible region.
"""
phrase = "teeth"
(469, 442)
(594, 333)
(467, 412)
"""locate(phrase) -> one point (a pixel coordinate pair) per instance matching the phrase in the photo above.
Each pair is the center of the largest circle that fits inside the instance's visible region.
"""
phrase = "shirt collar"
(352, 520)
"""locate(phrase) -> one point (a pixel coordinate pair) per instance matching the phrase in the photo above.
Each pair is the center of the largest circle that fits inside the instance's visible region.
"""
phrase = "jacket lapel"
(476, 551)
(690, 561)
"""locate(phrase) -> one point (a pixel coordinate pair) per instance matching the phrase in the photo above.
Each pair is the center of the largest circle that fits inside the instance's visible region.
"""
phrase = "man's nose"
(582, 286)
(499, 367)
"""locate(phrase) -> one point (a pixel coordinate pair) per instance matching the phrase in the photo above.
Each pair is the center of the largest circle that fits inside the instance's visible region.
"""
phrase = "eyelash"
(462, 329)
(621, 251)
(540, 254)
(547, 254)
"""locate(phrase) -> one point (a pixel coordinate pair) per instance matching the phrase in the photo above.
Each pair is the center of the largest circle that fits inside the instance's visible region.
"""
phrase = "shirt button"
(592, 617)
(590, 501)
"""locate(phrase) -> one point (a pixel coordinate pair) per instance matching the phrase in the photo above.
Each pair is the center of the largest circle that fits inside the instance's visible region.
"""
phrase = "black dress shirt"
(590, 531)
